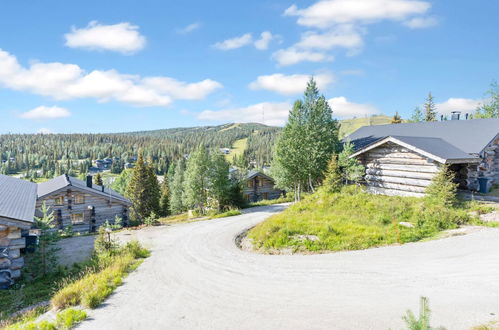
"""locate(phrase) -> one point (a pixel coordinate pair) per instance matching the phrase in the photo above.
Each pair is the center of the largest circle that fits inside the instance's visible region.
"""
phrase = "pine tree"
(164, 202)
(417, 115)
(442, 189)
(333, 180)
(177, 188)
(143, 190)
(351, 169)
(396, 119)
(430, 110)
(219, 182)
(196, 180)
(98, 180)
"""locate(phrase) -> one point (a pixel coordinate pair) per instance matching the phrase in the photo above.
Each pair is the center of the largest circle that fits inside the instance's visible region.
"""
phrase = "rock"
(406, 224)
(490, 217)
(15, 253)
(5, 263)
(17, 263)
(306, 237)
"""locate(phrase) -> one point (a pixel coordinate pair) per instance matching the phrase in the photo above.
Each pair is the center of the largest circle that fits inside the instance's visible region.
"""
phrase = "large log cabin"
(402, 159)
(259, 186)
(81, 204)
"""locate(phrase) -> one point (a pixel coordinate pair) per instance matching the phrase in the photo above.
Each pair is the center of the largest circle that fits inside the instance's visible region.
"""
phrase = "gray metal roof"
(470, 136)
(436, 146)
(251, 174)
(63, 181)
(17, 199)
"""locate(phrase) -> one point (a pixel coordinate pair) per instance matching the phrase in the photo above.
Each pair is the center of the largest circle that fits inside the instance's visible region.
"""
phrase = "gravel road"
(197, 278)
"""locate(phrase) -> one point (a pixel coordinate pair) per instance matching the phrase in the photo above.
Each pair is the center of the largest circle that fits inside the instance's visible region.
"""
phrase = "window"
(76, 218)
(247, 196)
(79, 199)
(260, 182)
(250, 183)
(59, 200)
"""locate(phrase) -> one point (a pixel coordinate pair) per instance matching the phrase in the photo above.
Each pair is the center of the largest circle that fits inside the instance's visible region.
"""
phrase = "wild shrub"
(332, 181)
(104, 243)
(442, 189)
(69, 317)
(151, 220)
(422, 321)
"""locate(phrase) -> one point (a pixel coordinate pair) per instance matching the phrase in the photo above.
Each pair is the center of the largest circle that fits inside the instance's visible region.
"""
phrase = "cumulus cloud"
(264, 41)
(421, 22)
(68, 81)
(189, 28)
(458, 104)
(122, 37)
(345, 36)
(289, 84)
(327, 13)
(344, 109)
(267, 113)
(43, 112)
(290, 56)
(235, 43)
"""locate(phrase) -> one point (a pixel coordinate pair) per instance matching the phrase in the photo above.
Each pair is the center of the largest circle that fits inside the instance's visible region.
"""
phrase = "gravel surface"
(197, 278)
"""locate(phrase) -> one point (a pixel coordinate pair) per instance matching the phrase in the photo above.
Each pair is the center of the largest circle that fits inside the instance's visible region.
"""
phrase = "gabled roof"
(251, 174)
(17, 199)
(470, 136)
(62, 181)
(433, 148)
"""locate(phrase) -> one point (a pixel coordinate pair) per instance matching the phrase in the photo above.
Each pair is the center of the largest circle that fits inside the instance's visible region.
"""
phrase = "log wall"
(11, 244)
(259, 188)
(394, 170)
(104, 209)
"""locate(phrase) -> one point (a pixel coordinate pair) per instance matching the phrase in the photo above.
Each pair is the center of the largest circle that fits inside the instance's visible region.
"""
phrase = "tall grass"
(353, 219)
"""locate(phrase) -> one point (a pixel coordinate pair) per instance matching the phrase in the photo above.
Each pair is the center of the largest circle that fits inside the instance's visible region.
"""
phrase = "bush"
(443, 190)
(151, 220)
(69, 317)
(229, 213)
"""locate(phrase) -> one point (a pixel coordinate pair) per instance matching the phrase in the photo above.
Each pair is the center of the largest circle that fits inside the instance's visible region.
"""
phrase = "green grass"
(65, 319)
(352, 220)
(265, 202)
(237, 149)
(229, 213)
(349, 126)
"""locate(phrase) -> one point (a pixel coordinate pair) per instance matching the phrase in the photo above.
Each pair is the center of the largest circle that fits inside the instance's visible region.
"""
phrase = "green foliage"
(219, 185)
(43, 260)
(68, 318)
(177, 188)
(164, 201)
(306, 144)
(353, 219)
(143, 190)
(333, 180)
(121, 183)
(151, 220)
(196, 180)
(443, 190)
(417, 116)
(422, 322)
(430, 110)
(490, 108)
(229, 213)
(350, 168)
(103, 243)
(98, 180)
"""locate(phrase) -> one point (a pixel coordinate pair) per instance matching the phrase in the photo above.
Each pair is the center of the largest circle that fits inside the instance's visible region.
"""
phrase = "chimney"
(102, 188)
(455, 115)
(441, 117)
(466, 116)
(89, 181)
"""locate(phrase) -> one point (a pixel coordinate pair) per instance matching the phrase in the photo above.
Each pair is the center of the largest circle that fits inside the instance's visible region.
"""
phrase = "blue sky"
(114, 66)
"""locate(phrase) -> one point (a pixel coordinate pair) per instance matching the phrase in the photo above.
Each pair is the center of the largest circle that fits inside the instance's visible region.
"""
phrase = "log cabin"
(81, 204)
(402, 159)
(17, 212)
(258, 186)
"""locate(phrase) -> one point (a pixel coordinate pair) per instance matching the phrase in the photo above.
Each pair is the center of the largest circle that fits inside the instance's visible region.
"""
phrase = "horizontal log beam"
(403, 181)
(403, 161)
(401, 167)
(397, 186)
(401, 174)
(393, 192)
(375, 153)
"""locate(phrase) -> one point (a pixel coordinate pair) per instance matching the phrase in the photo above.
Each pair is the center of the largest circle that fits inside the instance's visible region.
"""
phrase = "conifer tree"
(219, 182)
(430, 110)
(417, 115)
(396, 119)
(98, 179)
(443, 189)
(164, 202)
(196, 179)
(177, 188)
(333, 181)
(351, 169)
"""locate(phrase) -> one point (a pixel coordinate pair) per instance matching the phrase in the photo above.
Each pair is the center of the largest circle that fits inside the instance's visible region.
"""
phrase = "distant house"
(225, 151)
(258, 186)
(402, 159)
(17, 212)
(81, 204)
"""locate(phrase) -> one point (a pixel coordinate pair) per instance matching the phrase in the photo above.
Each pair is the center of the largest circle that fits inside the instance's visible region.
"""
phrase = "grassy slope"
(237, 149)
(349, 126)
(352, 220)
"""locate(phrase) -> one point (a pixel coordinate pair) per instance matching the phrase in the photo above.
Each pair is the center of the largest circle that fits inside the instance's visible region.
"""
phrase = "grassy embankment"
(353, 219)
(87, 285)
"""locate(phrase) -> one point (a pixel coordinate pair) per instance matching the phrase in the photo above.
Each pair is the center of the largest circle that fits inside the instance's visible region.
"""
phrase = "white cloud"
(292, 56)
(458, 104)
(68, 81)
(45, 131)
(289, 84)
(421, 22)
(327, 13)
(267, 113)
(189, 28)
(122, 37)
(264, 41)
(344, 109)
(43, 112)
(345, 36)
(234, 43)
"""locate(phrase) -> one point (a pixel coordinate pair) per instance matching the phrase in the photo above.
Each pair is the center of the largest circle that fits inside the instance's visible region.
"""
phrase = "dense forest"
(49, 155)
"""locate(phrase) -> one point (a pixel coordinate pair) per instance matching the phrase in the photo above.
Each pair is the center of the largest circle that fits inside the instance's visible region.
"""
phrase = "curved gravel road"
(197, 278)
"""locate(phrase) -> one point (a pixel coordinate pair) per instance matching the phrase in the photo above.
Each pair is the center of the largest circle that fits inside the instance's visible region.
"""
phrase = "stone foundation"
(11, 261)
(489, 167)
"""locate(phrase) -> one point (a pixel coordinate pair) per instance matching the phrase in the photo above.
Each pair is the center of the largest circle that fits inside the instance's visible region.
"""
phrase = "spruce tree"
(396, 119)
(196, 179)
(333, 180)
(443, 189)
(177, 188)
(417, 115)
(164, 202)
(430, 110)
(219, 182)
(98, 180)
(352, 170)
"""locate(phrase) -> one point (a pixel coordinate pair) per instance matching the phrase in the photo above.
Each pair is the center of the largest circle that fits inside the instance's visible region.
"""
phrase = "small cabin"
(402, 159)
(259, 186)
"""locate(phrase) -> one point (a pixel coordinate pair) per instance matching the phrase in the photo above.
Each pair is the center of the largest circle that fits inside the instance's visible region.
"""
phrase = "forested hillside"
(49, 155)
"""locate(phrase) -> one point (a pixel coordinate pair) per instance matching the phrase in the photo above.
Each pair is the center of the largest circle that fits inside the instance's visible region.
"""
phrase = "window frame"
(81, 196)
(73, 222)
(56, 199)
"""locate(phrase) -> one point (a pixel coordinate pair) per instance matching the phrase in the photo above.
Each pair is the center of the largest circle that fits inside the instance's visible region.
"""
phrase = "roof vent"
(89, 181)
(455, 115)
